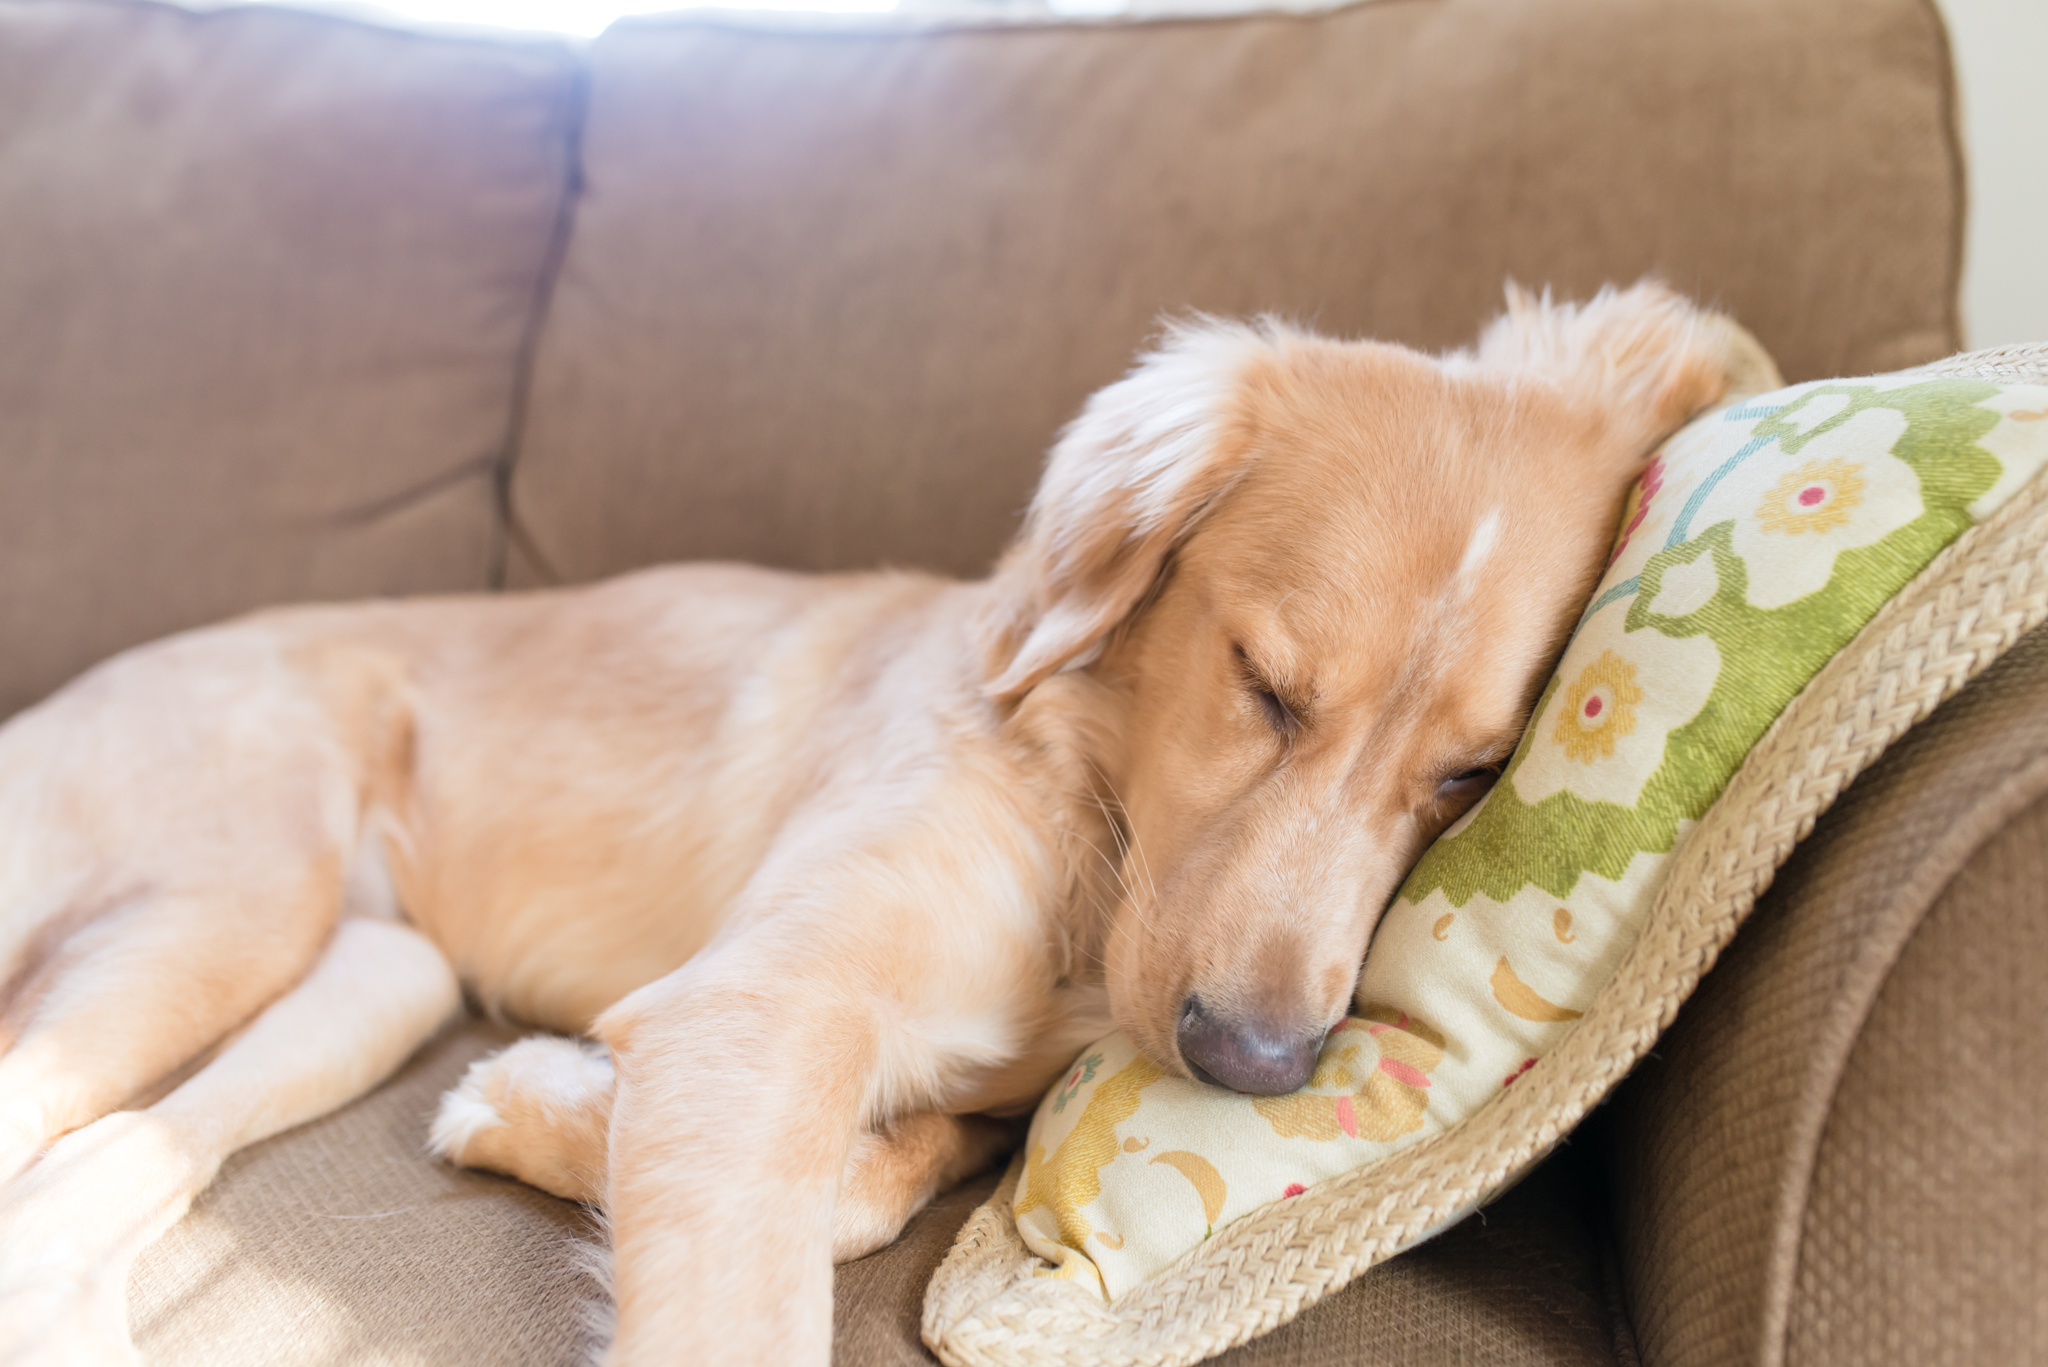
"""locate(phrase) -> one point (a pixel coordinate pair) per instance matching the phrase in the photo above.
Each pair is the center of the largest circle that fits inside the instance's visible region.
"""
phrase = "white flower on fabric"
(1603, 730)
(1794, 513)
(1686, 587)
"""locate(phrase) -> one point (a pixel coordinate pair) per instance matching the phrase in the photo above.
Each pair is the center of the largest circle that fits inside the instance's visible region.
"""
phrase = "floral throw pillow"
(1753, 548)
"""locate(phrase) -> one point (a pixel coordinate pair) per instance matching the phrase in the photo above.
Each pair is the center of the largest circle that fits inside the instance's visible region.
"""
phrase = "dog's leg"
(743, 1080)
(541, 1111)
(71, 1226)
(143, 989)
(896, 1171)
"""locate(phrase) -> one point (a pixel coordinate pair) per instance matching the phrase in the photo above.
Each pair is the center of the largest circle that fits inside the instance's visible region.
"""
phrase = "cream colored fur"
(826, 867)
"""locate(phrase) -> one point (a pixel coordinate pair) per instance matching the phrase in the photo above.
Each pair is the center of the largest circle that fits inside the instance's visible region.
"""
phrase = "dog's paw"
(539, 1111)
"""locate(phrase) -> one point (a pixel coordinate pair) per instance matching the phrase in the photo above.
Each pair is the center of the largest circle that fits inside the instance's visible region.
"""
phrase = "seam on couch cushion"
(270, 272)
(1613, 1292)
(1959, 171)
(816, 272)
(511, 531)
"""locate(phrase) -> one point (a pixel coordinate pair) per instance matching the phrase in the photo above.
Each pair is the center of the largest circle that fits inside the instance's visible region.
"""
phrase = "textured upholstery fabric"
(1925, 1235)
(829, 296)
(341, 1244)
(264, 286)
(1525, 1282)
(1794, 1051)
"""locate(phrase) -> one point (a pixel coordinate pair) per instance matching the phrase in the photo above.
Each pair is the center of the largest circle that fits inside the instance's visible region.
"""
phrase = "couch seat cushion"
(341, 1244)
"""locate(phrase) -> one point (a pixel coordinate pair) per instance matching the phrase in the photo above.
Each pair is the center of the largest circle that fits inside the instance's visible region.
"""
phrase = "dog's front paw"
(539, 1111)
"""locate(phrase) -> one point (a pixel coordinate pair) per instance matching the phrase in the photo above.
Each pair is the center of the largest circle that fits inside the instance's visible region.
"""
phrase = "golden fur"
(829, 865)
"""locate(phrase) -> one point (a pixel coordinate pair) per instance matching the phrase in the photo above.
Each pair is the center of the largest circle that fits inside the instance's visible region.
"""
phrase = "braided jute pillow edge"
(985, 1308)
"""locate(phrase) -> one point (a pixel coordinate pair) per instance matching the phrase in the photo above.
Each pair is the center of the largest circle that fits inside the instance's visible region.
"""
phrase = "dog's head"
(1322, 583)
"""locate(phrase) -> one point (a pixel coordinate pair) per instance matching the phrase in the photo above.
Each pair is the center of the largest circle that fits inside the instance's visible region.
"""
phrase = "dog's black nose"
(1245, 1056)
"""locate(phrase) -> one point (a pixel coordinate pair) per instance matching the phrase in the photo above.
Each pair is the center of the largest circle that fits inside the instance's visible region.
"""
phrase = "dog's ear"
(1646, 355)
(1128, 480)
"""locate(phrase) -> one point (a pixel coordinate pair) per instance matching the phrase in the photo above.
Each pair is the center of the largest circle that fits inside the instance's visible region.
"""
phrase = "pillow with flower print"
(1754, 547)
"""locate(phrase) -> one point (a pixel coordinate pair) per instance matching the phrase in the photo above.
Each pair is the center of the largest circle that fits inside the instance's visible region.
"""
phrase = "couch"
(296, 306)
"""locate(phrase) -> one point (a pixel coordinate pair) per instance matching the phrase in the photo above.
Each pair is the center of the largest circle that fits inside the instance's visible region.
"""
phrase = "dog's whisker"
(1127, 835)
(1130, 894)
(1117, 821)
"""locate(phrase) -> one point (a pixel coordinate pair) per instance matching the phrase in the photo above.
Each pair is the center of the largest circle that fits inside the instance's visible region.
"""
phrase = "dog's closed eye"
(1461, 790)
(1281, 717)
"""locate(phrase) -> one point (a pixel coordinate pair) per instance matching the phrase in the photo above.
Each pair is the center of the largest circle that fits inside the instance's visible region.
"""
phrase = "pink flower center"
(1593, 705)
(1811, 495)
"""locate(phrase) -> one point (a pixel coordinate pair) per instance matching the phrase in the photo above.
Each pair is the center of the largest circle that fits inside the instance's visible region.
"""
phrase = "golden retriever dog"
(1278, 612)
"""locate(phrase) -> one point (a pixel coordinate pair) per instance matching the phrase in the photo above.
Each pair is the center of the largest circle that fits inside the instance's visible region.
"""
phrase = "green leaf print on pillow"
(1850, 488)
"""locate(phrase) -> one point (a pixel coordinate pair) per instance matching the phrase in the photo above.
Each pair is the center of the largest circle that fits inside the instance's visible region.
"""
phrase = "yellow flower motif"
(1817, 497)
(1599, 708)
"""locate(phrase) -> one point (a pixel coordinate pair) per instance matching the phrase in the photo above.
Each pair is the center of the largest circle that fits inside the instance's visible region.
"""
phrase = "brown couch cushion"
(264, 286)
(341, 1243)
(1527, 1281)
(1835, 1154)
(830, 294)
(1925, 1234)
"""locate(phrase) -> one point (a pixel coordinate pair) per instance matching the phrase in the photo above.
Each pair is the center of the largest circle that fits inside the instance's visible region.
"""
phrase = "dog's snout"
(1263, 1058)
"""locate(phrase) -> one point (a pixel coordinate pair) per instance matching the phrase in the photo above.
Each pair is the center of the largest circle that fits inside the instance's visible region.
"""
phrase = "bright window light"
(585, 18)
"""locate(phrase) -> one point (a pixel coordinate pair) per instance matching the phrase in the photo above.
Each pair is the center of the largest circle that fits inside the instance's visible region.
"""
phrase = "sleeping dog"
(1277, 615)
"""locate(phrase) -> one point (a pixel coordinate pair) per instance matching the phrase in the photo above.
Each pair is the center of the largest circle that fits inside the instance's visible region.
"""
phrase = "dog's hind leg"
(893, 1173)
(144, 988)
(540, 1111)
(176, 830)
(71, 1226)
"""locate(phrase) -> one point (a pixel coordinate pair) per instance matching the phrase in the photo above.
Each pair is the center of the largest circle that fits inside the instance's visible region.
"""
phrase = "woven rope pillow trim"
(996, 1301)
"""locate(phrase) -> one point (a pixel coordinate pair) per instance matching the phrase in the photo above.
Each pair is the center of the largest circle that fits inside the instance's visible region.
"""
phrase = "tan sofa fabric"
(264, 280)
(829, 296)
(341, 1244)
(1925, 1236)
(1790, 1059)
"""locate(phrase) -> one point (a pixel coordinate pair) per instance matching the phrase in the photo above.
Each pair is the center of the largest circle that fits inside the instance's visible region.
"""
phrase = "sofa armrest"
(1836, 1154)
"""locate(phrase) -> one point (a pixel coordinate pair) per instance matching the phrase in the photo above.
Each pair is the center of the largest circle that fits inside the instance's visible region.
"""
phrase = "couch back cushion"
(831, 293)
(264, 284)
